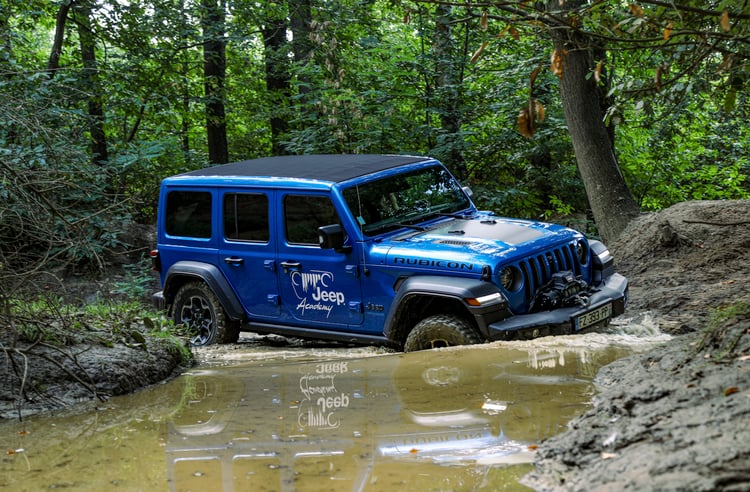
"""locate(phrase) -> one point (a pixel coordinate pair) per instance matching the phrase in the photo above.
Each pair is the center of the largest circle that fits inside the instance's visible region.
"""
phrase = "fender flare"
(602, 262)
(212, 276)
(458, 288)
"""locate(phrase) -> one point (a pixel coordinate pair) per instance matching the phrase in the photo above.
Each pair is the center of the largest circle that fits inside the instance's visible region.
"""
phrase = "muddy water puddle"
(264, 416)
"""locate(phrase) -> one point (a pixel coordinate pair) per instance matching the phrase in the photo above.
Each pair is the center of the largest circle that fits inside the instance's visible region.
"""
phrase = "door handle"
(233, 260)
(290, 265)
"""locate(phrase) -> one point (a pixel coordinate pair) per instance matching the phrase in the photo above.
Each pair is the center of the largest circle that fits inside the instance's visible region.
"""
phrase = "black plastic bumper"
(563, 321)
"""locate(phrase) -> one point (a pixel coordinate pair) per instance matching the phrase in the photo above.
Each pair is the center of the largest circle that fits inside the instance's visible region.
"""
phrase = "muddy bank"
(36, 378)
(678, 417)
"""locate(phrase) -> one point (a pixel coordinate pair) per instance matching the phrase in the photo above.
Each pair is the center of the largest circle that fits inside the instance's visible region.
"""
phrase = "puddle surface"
(266, 418)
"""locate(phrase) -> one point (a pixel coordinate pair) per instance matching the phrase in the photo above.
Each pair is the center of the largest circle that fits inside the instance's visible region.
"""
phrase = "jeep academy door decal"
(319, 287)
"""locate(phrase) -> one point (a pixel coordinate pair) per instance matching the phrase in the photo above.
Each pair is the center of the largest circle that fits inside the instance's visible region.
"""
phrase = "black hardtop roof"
(333, 167)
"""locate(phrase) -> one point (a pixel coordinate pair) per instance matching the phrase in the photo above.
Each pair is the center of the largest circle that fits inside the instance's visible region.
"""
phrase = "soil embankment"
(677, 417)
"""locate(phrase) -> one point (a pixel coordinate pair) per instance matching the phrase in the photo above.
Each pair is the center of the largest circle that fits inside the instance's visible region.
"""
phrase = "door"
(247, 252)
(319, 287)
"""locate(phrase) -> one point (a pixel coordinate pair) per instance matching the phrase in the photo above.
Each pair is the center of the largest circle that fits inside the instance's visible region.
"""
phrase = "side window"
(246, 217)
(303, 214)
(189, 214)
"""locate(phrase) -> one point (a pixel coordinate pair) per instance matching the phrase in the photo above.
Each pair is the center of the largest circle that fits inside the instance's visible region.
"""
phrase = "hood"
(470, 244)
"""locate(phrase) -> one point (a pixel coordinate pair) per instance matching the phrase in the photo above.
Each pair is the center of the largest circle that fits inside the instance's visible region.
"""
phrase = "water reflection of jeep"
(371, 249)
(378, 423)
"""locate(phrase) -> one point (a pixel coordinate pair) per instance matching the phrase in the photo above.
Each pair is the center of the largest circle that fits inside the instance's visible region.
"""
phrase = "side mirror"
(333, 237)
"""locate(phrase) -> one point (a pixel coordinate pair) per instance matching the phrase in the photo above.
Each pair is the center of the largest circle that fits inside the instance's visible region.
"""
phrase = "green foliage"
(691, 151)
(725, 329)
(137, 281)
(49, 319)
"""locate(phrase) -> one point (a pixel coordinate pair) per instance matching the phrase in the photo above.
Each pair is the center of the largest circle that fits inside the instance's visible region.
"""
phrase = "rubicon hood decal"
(465, 246)
(433, 263)
(508, 232)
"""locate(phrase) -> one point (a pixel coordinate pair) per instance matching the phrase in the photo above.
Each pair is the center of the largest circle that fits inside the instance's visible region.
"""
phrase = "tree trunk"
(278, 80)
(6, 70)
(214, 73)
(300, 20)
(54, 56)
(99, 152)
(184, 71)
(446, 85)
(5, 34)
(610, 199)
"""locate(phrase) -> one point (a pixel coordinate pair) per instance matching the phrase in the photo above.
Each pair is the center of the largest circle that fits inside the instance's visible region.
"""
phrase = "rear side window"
(246, 217)
(303, 214)
(189, 214)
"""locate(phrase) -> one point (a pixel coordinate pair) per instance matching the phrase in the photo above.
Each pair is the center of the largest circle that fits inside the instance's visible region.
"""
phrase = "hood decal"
(508, 232)
(433, 263)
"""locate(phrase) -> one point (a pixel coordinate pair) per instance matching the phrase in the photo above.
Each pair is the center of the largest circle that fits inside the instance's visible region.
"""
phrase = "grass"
(725, 330)
(50, 320)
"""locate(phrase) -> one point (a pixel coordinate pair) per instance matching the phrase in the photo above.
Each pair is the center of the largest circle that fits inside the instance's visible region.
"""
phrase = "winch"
(564, 289)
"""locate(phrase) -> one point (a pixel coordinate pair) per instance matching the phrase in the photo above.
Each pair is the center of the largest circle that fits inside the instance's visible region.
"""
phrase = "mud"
(85, 374)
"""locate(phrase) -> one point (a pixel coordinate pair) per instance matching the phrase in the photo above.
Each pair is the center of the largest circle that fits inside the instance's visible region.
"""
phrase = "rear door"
(247, 252)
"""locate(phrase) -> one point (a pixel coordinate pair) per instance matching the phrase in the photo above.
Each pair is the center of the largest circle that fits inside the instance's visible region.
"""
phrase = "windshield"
(405, 199)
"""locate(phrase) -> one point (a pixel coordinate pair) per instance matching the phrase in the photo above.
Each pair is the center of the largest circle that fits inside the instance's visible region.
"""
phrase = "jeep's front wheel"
(198, 308)
(441, 330)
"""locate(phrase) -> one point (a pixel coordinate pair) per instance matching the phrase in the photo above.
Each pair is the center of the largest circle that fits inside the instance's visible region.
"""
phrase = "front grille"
(538, 270)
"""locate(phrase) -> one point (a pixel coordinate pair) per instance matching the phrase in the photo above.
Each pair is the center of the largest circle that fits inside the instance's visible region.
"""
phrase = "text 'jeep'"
(374, 249)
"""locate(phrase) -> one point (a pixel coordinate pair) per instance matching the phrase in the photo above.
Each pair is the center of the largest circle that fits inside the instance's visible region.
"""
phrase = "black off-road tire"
(198, 308)
(441, 330)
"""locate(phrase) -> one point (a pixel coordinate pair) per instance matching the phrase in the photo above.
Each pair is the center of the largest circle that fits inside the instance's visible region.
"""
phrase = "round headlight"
(509, 278)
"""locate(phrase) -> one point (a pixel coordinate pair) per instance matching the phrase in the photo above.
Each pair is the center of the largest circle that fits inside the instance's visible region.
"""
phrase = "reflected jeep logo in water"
(317, 285)
(321, 398)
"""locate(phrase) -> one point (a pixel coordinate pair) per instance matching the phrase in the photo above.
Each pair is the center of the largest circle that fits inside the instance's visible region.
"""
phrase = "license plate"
(593, 317)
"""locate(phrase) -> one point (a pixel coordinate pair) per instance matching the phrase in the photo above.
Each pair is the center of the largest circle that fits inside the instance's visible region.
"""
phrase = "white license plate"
(593, 317)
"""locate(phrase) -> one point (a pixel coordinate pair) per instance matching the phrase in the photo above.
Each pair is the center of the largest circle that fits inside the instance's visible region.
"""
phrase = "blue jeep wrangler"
(373, 249)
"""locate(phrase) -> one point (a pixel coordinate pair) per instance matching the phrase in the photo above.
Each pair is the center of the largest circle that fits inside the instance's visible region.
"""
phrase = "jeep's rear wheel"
(198, 308)
(441, 330)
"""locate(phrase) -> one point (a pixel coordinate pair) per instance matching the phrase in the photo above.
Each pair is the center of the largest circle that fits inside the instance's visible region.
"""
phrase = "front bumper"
(563, 321)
